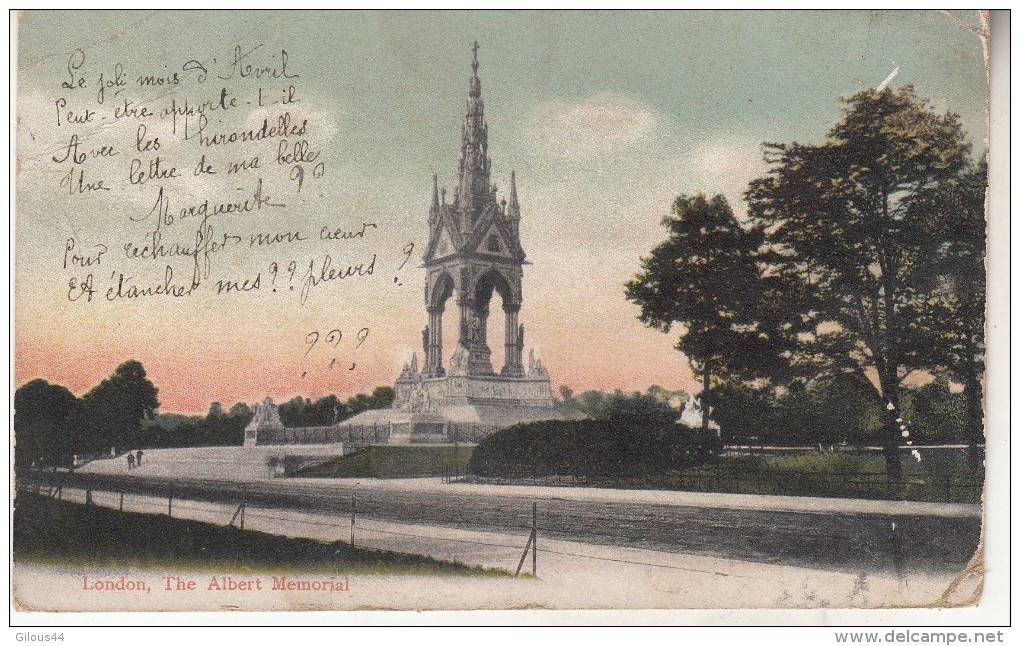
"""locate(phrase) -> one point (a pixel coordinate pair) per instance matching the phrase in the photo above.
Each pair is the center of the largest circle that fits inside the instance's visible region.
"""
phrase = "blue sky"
(605, 116)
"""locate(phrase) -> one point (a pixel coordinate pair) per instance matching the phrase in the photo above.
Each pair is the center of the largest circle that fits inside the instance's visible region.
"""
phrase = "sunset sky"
(605, 117)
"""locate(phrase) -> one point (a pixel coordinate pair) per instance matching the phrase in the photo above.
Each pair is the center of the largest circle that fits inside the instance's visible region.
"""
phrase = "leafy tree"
(215, 411)
(706, 280)
(839, 217)
(833, 409)
(746, 414)
(798, 416)
(45, 417)
(947, 327)
(935, 414)
(301, 411)
(674, 398)
(241, 409)
(590, 404)
(359, 403)
(638, 410)
(848, 410)
(116, 407)
(297, 412)
(383, 396)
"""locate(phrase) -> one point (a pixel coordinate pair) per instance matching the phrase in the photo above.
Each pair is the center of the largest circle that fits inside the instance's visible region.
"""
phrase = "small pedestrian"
(138, 459)
(131, 460)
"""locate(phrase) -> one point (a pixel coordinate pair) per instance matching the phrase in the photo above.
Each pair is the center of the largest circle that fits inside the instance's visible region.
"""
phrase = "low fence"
(361, 434)
(450, 432)
(239, 510)
(353, 519)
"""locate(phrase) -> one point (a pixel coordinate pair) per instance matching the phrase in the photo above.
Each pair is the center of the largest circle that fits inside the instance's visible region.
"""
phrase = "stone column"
(483, 327)
(512, 351)
(435, 349)
(464, 323)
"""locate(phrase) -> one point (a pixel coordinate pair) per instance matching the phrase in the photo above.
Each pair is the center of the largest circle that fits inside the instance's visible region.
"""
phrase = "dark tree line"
(861, 263)
(51, 425)
(656, 404)
(330, 409)
(836, 410)
(226, 428)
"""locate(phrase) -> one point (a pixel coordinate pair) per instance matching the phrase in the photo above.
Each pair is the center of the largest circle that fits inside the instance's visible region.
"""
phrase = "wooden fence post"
(354, 512)
(239, 512)
(170, 505)
(532, 544)
(121, 507)
(534, 539)
(897, 551)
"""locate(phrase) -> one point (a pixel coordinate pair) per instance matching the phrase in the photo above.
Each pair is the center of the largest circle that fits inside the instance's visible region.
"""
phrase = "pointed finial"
(474, 84)
(435, 192)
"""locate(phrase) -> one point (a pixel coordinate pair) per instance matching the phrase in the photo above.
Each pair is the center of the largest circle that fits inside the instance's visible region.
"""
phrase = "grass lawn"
(828, 475)
(52, 531)
(394, 462)
(938, 478)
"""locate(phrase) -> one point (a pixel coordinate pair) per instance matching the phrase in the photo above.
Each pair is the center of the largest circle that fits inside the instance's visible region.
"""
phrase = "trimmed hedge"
(594, 448)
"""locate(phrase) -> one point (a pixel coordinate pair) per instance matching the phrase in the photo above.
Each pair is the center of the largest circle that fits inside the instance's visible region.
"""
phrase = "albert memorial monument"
(474, 249)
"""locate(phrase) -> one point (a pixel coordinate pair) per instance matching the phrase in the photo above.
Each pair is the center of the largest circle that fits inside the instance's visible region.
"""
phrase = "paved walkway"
(234, 464)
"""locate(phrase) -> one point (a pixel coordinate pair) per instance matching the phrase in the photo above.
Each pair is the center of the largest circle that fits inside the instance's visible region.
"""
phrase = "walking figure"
(138, 458)
(131, 460)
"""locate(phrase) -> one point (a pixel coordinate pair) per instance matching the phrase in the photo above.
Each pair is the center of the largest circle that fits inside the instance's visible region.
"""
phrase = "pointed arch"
(442, 289)
(494, 280)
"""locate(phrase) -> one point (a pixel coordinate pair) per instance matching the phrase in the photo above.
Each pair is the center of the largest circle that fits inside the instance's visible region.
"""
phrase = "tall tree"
(936, 414)
(839, 217)
(383, 396)
(45, 417)
(947, 330)
(706, 280)
(116, 407)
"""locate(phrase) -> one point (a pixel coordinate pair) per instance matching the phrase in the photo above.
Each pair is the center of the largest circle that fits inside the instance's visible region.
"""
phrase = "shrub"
(593, 448)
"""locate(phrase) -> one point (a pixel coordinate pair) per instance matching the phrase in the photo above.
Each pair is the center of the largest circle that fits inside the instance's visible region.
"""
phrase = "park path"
(571, 574)
(598, 548)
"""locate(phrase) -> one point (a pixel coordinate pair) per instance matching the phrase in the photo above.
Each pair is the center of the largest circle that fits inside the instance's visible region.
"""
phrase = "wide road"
(849, 542)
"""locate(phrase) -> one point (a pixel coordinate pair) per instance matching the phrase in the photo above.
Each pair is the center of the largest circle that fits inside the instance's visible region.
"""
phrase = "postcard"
(499, 310)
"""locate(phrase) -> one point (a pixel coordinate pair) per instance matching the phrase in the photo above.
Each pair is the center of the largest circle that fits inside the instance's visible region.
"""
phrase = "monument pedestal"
(460, 408)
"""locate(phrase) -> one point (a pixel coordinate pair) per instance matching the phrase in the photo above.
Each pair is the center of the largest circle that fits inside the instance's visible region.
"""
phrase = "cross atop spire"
(474, 83)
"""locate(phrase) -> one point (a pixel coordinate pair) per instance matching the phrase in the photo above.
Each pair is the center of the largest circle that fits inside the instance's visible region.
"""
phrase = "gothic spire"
(514, 209)
(435, 199)
(474, 161)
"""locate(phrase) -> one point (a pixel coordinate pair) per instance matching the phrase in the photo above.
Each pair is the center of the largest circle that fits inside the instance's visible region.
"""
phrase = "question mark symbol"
(297, 173)
(275, 268)
(292, 267)
(362, 335)
(334, 337)
(408, 250)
